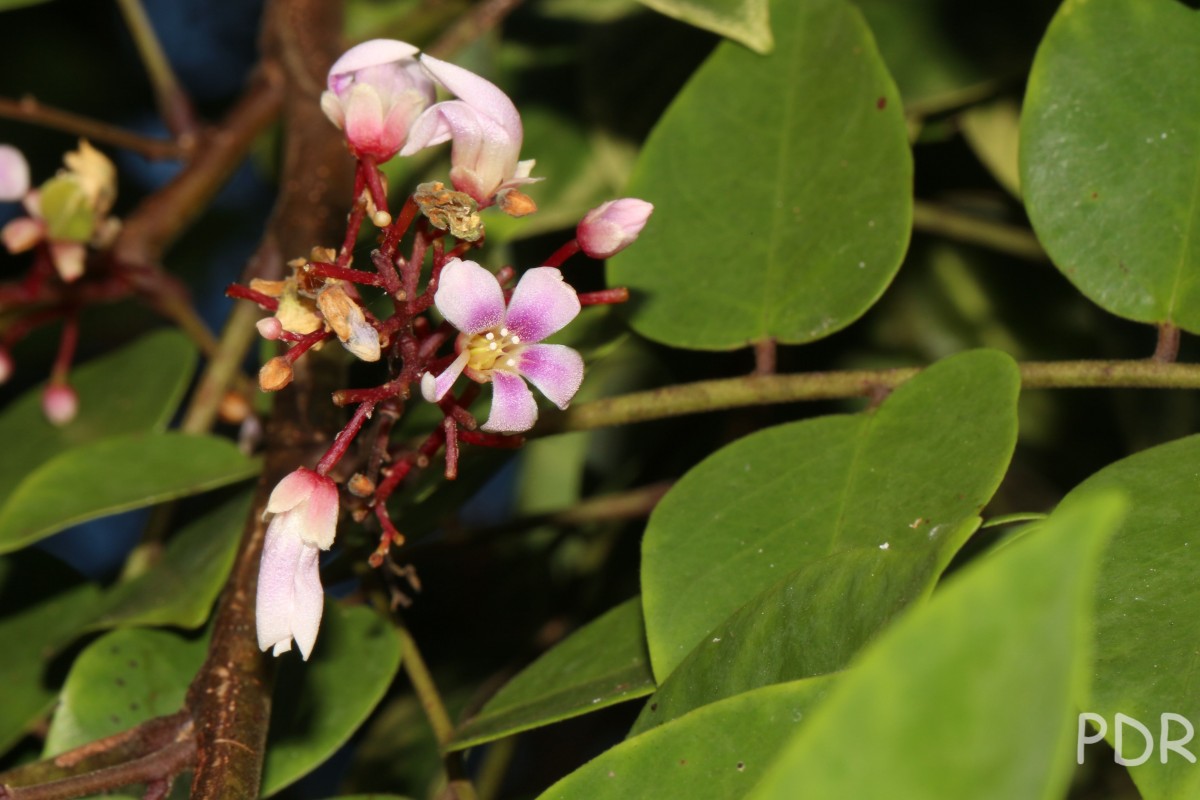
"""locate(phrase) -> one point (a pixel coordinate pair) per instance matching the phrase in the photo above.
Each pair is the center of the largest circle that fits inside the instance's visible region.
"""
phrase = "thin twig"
(173, 103)
(482, 18)
(938, 219)
(756, 390)
(28, 109)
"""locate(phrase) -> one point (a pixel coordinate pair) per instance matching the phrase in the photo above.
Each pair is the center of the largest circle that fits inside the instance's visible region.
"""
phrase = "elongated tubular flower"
(484, 126)
(499, 344)
(376, 90)
(290, 598)
(14, 173)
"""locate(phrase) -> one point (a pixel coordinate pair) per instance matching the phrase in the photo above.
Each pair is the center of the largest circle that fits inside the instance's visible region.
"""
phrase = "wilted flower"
(69, 212)
(498, 344)
(485, 128)
(290, 598)
(611, 227)
(376, 90)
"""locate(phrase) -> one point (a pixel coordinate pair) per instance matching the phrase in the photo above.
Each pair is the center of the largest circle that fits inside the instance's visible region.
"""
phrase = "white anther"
(511, 363)
(493, 346)
(490, 336)
(504, 331)
(516, 339)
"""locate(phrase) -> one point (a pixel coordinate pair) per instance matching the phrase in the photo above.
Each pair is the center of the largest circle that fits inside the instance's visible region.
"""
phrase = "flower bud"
(6, 366)
(60, 404)
(275, 374)
(376, 90)
(611, 227)
(347, 320)
(270, 328)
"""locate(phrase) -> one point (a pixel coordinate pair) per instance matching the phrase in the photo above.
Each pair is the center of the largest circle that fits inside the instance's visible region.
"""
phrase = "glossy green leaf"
(1110, 140)
(993, 130)
(319, 704)
(117, 474)
(811, 623)
(719, 751)
(745, 21)
(1148, 609)
(602, 663)
(133, 390)
(36, 626)
(903, 477)
(123, 678)
(782, 188)
(182, 587)
(972, 694)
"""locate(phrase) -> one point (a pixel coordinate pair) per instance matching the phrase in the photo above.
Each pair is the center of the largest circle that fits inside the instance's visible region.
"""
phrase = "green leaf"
(157, 367)
(782, 188)
(1148, 607)
(810, 624)
(9, 5)
(117, 474)
(599, 665)
(182, 587)
(719, 751)
(934, 68)
(123, 678)
(34, 630)
(972, 694)
(1110, 143)
(744, 21)
(319, 704)
(904, 476)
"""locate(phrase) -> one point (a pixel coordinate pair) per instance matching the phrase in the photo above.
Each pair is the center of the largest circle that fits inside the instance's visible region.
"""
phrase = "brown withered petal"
(449, 210)
(275, 374)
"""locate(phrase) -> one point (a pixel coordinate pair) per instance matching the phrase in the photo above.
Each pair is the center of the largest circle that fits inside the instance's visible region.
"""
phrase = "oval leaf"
(159, 366)
(971, 695)
(717, 752)
(117, 474)
(123, 678)
(782, 188)
(1148, 608)
(904, 477)
(319, 704)
(602, 663)
(811, 623)
(744, 21)
(1108, 166)
(182, 587)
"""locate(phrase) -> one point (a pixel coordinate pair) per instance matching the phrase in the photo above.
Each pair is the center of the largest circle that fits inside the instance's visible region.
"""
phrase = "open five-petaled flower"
(499, 344)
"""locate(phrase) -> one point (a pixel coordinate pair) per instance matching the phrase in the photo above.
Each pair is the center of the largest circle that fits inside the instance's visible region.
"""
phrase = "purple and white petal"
(513, 407)
(555, 369)
(469, 297)
(435, 388)
(309, 601)
(295, 488)
(477, 92)
(14, 173)
(542, 304)
(277, 588)
(321, 515)
(368, 54)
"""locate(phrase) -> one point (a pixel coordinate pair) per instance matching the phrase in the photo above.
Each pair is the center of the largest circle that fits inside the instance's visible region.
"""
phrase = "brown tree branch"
(28, 109)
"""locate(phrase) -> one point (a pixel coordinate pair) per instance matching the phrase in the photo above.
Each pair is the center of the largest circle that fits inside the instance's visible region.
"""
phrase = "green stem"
(172, 100)
(760, 390)
(943, 221)
(427, 693)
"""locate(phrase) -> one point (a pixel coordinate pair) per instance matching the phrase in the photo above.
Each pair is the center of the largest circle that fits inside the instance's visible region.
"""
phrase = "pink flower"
(499, 344)
(376, 90)
(14, 173)
(611, 227)
(60, 404)
(290, 597)
(485, 128)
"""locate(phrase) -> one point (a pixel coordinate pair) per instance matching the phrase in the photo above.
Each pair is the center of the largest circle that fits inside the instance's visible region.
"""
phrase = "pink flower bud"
(290, 597)
(14, 173)
(60, 404)
(376, 90)
(269, 328)
(6, 366)
(609, 228)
